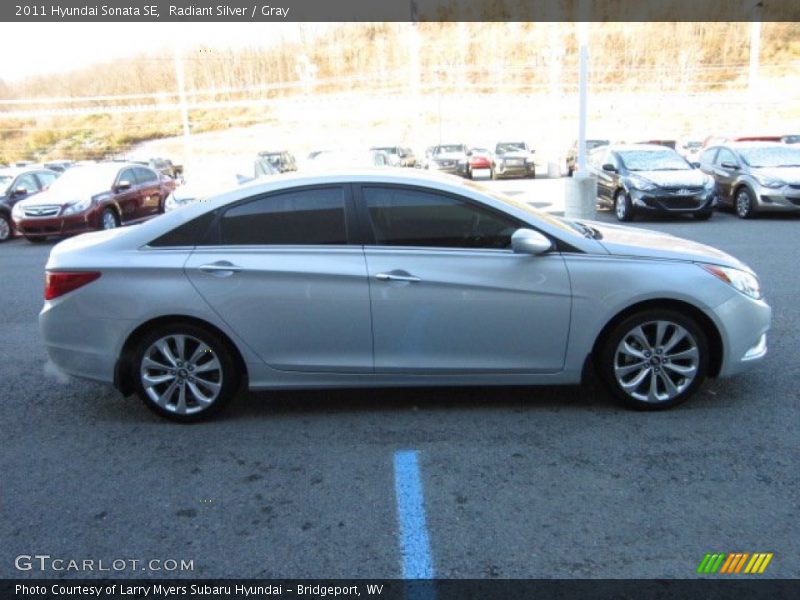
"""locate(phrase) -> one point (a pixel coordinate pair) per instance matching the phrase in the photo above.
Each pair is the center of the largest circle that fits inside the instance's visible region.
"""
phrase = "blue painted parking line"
(415, 545)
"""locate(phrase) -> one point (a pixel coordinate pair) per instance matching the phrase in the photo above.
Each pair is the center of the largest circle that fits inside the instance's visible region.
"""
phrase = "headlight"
(17, 212)
(769, 182)
(77, 207)
(640, 183)
(745, 282)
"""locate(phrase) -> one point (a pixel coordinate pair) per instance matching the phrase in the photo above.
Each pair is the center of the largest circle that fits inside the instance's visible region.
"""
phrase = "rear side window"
(191, 233)
(409, 217)
(145, 175)
(314, 216)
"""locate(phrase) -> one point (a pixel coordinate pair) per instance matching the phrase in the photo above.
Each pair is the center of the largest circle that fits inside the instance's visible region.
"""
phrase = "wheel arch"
(709, 328)
(123, 380)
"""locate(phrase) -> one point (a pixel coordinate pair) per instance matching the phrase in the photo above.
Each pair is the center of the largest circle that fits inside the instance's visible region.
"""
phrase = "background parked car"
(449, 158)
(513, 159)
(101, 196)
(791, 139)
(18, 184)
(480, 160)
(640, 178)
(755, 176)
(346, 159)
(282, 160)
(398, 156)
(58, 165)
(572, 153)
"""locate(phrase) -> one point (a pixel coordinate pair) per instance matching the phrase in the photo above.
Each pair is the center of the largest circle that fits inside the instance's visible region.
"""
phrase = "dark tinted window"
(145, 175)
(191, 233)
(310, 216)
(407, 217)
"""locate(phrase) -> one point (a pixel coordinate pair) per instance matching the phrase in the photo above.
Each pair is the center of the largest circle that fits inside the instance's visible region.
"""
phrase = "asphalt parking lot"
(516, 482)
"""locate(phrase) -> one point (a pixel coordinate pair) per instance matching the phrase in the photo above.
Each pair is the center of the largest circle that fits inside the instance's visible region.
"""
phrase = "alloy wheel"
(181, 374)
(656, 361)
(109, 220)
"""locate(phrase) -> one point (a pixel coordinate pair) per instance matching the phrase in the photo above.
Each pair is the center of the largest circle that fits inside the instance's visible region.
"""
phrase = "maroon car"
(86, 198)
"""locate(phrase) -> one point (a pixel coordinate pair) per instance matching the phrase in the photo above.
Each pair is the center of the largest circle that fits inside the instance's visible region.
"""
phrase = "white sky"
(35, 48)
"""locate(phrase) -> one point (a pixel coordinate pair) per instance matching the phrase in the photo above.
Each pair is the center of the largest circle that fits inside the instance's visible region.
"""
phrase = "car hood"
(61, 198)
(622, 240)
(790, 175)
(687, 178)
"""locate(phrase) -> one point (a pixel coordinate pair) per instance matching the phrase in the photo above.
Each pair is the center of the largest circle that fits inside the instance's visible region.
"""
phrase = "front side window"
(28, 182)
(145, 175)
(409, 217)
(726, 156)
(707, 156)
(304, 217)
(127, 175)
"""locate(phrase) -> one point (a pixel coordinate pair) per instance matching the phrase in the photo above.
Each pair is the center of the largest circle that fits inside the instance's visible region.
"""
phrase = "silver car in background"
(389, 278)
(754, 177)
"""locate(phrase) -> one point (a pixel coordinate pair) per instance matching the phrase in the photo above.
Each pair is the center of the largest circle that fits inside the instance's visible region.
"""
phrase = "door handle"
(220, 267)
(392, 277)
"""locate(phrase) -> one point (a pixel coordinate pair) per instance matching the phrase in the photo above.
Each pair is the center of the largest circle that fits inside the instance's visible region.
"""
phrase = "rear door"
(449, 296)
(279, 270)
(150, 200)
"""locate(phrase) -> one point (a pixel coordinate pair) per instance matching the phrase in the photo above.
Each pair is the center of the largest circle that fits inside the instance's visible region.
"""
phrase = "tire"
(36, 239)
(744, 204)
(109, 219)
(6, 230)
(703, 215)
(165, 374)
(623, 208)
(661, 346)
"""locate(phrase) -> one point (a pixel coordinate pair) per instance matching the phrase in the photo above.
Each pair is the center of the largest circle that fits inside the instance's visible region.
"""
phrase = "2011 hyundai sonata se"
(392, 279)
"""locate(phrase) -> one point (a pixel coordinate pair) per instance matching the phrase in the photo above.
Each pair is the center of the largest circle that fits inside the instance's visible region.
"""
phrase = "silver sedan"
(392, 279)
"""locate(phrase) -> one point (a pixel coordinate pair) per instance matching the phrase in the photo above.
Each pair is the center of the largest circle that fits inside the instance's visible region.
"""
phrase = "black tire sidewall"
(605, 365)
(626, 202)
(230, 374)
(10, 228)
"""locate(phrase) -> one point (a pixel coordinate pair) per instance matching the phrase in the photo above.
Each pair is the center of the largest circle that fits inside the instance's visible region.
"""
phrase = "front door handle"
(221, 268)
(393, 277)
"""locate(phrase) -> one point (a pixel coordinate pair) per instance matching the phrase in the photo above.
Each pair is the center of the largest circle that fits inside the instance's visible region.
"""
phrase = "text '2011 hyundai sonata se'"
(392, 279)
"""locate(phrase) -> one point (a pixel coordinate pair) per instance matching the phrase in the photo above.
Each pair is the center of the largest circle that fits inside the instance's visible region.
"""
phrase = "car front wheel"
(109, 219)
(654, 359)
(5, 228)
(184, 372)
(623, 207)
(745, 204)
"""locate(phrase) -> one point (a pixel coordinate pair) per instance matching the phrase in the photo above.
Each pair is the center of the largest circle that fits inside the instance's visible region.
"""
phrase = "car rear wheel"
(622, 206)
(184, 372)
(5, 228)
(654, 359)
(745, 204)
(109, 219)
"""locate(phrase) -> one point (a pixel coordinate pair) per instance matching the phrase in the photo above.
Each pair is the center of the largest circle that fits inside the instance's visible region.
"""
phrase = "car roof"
(15, 171)
(638, 147)
(753, 144)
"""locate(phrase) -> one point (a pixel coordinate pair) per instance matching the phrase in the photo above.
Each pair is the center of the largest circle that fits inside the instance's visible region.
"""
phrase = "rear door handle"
(393, 277)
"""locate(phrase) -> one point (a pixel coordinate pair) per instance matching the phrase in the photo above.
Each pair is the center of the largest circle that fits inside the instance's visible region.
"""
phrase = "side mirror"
(21, 191)
(726, 164)
(528, 241)
(610, 168)
(123, 185)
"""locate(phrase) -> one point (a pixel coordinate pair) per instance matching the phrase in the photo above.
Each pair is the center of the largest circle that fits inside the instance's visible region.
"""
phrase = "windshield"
(388, 150)
(511, 147)
(591, 144)
(500, 196)
(653, 160)
(81, 181)
(450, 148)
(777, 156)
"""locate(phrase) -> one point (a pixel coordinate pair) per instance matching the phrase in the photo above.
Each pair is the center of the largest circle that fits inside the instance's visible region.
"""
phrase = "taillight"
(57, 284)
